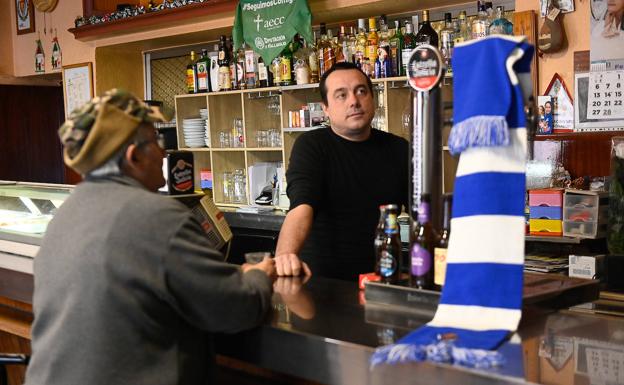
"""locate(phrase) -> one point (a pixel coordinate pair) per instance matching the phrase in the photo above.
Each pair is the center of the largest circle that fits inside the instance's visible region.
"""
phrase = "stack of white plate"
(194, 130)
(203, 112)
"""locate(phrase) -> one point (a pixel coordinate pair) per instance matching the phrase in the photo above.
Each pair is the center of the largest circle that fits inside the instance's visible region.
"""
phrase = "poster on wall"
(24, 16)
(607, 36)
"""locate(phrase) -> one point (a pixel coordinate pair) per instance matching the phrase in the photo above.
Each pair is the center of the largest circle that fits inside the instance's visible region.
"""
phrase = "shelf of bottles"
(241, 111)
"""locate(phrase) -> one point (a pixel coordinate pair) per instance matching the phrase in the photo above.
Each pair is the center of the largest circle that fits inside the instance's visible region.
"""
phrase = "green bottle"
(396, 50)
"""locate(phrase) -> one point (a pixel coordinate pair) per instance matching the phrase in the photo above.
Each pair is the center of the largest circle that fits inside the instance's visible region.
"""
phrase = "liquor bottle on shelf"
(372, 42)
(351, 42)
(421, 247)
(389, 264)
(384, 45)
(409, 43)
(489, 9)
(326, 54)
(313, 60)
(462, 33)
(202, 72)
(240, 68)
(275, 69)
(447, 36)
(191, 76)
(396, 50)
(232, 58)
(442, 241)
(481, 23)
(251, 68)
(360, 45)
(265, 76)
(285, 66)
(225, 81)
(342, 48)
(500, 25)
(426, 34)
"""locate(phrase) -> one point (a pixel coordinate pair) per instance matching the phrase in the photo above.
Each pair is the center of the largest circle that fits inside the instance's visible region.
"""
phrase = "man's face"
(350, 104)
(151, 160)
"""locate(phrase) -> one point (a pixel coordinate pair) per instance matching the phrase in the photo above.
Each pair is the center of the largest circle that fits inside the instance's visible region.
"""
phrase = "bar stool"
(10, 359)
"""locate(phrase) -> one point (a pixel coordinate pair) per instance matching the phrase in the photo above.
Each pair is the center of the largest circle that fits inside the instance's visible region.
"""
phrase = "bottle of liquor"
(202, 70)
(342, 48)
(447, 37)
(409, 43)
(231, 53)
(489, 9)
(351, 42)
(251, 68)
(285, 66)
(389, 266)
(326, 54)
(225, 81)
(426, 34)
(442, 241)
(313, 60)
(500, 25)
(384, 38)
(481, 23)
(360, 45)
(240, 68)
(372, 41)
(265, 77)
(396, 50)
(463, 32)
(191, 76)
(421, 247)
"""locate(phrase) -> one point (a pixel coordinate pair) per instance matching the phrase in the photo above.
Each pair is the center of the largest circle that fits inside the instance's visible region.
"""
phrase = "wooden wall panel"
(30, 149)
(582, 154)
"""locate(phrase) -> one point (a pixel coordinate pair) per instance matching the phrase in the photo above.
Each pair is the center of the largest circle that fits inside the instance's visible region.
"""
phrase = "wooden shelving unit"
(257, 108)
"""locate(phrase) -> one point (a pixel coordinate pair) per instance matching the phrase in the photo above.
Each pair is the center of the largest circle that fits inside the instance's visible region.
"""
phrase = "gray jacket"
(126, 287)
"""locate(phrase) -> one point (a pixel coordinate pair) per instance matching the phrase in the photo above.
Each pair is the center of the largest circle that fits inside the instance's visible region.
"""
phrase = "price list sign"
(606, 95)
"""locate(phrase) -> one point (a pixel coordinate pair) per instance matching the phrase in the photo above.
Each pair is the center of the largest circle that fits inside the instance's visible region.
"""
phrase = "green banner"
(269, 25)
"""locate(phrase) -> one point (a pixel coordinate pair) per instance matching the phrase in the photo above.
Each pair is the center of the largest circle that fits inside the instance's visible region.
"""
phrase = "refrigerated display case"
(25, 211)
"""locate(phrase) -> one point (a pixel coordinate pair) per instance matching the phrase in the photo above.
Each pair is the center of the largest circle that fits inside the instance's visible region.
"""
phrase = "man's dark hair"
(338, 67)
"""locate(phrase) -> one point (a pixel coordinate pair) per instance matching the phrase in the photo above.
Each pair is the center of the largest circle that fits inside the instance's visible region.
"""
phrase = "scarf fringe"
(479, 131)
(441, 352)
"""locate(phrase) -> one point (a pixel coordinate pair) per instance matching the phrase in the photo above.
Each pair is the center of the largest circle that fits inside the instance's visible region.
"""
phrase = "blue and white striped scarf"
(481, 303)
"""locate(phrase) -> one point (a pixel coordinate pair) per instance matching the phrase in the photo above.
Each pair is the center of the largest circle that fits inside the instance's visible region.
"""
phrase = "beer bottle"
(439, 252)
(389, 267)
(421, 247)
(191, 75)
(380, 234)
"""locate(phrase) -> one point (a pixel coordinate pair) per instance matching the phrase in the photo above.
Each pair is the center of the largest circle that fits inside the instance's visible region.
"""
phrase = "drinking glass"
(239, 190)
(228, 187)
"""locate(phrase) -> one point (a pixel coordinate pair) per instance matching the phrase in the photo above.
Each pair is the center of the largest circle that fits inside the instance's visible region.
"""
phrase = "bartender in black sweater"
(337, 178)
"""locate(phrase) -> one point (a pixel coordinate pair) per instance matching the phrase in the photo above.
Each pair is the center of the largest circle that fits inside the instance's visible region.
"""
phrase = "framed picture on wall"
(581, 121)
(24, 16)
(77, 85)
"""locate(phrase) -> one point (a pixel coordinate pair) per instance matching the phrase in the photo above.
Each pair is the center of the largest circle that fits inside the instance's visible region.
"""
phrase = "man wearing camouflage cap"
(126, 284)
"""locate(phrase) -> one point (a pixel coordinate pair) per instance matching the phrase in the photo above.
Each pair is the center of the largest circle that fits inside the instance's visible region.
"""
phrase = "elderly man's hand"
(267, 265)
(290, 265)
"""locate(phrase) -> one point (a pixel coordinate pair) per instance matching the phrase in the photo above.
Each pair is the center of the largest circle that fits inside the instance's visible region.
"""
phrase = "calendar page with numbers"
(606, 95)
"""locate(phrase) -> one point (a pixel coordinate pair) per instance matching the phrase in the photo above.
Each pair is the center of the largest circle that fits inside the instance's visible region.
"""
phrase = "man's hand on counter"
(290, 265)
(267, 265)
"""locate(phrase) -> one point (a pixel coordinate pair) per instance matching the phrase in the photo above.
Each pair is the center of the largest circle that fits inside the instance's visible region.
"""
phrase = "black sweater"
(345, 182)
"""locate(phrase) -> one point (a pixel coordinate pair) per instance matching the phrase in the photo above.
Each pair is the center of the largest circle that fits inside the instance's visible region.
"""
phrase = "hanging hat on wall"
(45, 5)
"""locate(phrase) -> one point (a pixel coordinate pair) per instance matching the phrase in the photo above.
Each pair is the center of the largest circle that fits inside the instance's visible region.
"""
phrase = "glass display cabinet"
(25, 211)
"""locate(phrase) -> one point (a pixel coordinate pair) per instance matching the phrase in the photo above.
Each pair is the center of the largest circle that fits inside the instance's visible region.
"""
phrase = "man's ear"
(131, 155)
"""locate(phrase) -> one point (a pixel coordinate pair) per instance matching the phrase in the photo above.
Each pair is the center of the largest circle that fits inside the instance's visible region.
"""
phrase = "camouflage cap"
(96, 131)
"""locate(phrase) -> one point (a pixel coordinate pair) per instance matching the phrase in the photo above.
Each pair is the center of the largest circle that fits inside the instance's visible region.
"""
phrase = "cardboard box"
(586, 266)
(213, 222)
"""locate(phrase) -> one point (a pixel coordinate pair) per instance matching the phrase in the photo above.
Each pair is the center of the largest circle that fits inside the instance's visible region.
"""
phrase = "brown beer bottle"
(441, 247)
(422, 240)
(389, 262)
